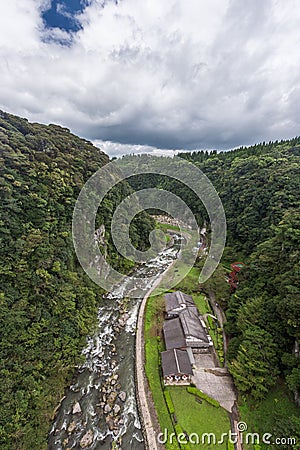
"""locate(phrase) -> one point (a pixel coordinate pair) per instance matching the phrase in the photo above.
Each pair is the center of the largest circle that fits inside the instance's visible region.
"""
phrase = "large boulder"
(107, 409)
(117, 409)
(76, 408)
(87, 439)
(122, 396)
(72, 427)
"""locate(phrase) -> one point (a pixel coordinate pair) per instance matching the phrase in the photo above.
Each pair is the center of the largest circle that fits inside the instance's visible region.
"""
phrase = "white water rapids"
(108, 369)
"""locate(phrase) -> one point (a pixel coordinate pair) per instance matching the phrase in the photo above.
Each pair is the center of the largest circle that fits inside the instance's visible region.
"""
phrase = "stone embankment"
(146, 406)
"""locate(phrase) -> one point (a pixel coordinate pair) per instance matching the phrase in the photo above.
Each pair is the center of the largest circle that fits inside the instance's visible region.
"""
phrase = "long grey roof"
(191, 324)
(176, 362)
(174, 337)
(176, 299)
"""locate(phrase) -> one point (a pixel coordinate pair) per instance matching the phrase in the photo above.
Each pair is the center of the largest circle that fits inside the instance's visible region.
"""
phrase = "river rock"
(122, 396)
(87, 439)
(107, 409)
(112, 397)
(117, 409)
(72, 427)
(76, 408)
(110, 424)
(123, 319)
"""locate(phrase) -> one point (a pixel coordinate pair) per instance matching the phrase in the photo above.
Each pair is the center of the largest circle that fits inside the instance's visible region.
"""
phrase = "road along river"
(99, 410)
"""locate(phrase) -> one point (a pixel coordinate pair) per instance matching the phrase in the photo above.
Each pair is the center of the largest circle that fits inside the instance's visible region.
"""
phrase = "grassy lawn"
(166, 226)
(260, 418)
(199, 418)
(188, 284)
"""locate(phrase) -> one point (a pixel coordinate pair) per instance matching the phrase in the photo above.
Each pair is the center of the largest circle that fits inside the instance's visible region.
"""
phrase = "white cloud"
(115, 149)
(178, 74)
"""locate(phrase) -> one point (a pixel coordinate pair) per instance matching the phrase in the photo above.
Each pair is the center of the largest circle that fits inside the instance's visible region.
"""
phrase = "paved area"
(204, 360)
(214, 381)
(218, 385)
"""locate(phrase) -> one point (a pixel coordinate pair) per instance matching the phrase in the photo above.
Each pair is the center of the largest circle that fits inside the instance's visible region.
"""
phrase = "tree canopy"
(48, 304)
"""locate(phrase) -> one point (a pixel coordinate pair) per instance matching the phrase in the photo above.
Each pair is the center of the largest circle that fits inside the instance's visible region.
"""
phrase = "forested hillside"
(48, 305)
(260, 190)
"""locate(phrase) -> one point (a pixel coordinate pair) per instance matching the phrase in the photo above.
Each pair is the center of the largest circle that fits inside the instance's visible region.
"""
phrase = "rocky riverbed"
(99, 410)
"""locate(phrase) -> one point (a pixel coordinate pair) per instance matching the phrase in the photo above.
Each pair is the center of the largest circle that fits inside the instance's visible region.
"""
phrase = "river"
(106, 380)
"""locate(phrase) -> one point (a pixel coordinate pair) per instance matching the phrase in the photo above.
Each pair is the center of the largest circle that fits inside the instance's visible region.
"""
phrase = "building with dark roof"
(184, 323)
(176, 367)
(173, 333)
(184, 332)
(176, 302)
(194, 333)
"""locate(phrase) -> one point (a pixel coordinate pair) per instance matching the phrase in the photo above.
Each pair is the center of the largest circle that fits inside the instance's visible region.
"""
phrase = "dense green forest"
(260, 190)
(48, 305)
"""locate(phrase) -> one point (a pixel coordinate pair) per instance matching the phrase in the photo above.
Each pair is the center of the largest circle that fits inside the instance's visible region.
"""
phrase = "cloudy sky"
(154, 75)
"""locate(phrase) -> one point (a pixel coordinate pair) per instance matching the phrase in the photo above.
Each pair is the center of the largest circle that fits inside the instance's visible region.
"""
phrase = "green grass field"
(166, 226)
(201, 303)
(194, 417)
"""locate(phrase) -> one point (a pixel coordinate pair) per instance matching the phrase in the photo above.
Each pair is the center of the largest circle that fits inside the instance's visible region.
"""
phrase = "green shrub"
(230, 445)
(200, 394)
(179, 431)
(169, 402)
(211, 322)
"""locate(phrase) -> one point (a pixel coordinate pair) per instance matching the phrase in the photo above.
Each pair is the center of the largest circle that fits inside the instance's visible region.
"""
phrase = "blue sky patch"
(62, 14)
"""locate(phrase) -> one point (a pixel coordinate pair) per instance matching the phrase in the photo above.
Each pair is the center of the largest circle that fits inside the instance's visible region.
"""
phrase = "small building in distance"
(176, 367)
